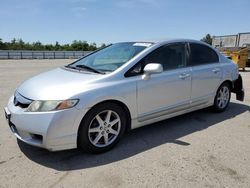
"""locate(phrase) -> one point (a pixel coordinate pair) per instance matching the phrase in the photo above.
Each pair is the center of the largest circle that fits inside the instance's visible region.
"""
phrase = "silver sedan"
(91, 102)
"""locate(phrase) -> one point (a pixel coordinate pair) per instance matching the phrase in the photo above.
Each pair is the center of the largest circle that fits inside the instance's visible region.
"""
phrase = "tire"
(222, 98)
(102, 128)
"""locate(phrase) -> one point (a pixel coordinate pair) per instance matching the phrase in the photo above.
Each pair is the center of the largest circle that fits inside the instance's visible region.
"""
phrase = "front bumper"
(55, 130)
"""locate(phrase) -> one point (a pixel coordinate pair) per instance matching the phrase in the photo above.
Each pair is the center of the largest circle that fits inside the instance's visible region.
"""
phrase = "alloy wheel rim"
(104, 128)
(223, 97)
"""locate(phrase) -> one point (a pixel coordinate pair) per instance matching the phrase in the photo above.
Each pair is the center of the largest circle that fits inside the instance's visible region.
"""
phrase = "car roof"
(164, 41)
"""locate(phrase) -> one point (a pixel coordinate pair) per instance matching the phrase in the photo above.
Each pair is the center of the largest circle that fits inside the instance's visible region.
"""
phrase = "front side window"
(110, 58)
(170, 57)
(202, 54)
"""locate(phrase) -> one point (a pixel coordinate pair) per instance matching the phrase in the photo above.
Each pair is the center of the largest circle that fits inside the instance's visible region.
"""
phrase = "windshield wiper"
(69, 66)
(84, 67)
(90, 68)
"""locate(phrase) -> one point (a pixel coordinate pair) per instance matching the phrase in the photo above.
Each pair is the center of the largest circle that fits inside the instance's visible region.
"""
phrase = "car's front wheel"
(222, 97)
(102, 128)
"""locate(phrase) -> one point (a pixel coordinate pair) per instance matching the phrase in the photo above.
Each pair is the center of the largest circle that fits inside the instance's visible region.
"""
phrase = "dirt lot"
(199, 149)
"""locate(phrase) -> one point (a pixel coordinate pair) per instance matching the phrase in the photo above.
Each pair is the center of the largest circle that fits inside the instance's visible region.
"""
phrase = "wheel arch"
(227, 81)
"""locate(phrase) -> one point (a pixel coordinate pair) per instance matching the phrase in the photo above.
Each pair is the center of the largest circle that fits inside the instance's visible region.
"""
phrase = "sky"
(109, 21)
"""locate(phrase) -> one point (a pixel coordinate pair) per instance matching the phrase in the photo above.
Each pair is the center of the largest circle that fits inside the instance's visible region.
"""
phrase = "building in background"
(234, 46)
(238, 40)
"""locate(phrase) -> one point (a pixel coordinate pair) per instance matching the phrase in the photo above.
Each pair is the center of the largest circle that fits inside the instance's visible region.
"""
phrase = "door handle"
(216, 70)
(184, 76)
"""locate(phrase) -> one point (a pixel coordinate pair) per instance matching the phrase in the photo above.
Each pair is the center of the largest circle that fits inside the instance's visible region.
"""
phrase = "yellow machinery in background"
(237, 54)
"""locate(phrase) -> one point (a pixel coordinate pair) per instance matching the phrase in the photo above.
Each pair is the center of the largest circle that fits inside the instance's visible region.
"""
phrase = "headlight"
(45, 106)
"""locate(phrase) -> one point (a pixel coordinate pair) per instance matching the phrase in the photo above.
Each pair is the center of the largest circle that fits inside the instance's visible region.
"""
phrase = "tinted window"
(170, 56)
(202, 54)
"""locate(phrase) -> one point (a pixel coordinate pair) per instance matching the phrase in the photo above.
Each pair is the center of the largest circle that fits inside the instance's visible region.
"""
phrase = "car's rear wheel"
(222, 97)
(102, 128)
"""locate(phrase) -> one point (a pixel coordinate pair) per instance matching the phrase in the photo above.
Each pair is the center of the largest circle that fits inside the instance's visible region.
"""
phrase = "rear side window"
(202, 54)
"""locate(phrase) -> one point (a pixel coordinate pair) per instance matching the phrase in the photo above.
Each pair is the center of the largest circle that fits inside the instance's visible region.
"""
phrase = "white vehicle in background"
(91, 102)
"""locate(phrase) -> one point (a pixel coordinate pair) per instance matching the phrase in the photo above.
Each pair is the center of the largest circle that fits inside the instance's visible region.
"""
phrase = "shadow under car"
(136, 141)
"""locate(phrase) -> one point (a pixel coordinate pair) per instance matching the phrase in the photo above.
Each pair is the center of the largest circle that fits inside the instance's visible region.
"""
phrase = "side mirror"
(151, 68)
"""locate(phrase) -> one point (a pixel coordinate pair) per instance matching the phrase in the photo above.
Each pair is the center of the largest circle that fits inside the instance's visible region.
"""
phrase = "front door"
(169, 91)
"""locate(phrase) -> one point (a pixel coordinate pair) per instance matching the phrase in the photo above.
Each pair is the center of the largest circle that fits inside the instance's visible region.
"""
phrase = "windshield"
(111, 57)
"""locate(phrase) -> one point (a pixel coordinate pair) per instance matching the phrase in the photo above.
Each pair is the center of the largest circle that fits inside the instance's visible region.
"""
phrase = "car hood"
(57, 84)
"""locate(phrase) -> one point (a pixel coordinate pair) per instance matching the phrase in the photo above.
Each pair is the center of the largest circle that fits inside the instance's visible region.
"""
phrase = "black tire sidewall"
(83, 138)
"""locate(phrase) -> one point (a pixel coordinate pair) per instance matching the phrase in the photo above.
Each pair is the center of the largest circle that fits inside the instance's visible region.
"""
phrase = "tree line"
(208, 39)
(76, 45)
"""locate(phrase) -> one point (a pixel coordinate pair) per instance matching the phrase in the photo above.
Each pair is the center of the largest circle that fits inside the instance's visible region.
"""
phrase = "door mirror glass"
(151, 68)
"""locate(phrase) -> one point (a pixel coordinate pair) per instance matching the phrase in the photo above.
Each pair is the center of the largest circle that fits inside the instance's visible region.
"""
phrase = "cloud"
(78, 11)
(136, 3)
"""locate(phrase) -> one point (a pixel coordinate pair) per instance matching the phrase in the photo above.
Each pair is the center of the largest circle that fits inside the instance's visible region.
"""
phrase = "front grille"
(21, 101)
(21, 105)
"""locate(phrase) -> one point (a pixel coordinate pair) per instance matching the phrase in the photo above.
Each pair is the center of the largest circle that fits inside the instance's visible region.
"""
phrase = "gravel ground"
(199, 149)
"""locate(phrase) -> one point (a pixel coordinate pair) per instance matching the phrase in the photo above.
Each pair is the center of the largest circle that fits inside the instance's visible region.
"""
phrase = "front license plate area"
(7, 116)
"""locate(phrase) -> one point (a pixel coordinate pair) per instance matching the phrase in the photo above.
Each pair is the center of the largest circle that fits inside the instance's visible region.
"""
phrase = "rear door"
(206, 73)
